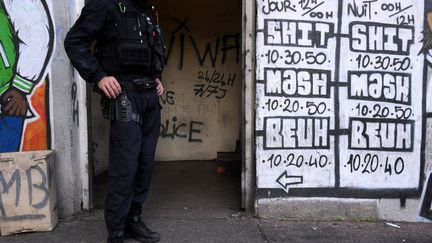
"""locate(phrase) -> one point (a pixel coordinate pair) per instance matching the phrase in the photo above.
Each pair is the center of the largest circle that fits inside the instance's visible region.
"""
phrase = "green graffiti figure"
(26, 44)
(7, 51)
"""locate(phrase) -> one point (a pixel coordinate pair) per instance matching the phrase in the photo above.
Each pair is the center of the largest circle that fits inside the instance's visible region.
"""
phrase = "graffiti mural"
(202, 77)
(26, 48)
(341, 97)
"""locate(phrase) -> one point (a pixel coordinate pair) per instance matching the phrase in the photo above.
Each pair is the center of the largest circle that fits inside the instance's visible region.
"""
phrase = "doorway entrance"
(199, 163)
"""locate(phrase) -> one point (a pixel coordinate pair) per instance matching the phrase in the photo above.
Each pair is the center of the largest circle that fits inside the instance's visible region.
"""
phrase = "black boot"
(116, 237)
(136, 229)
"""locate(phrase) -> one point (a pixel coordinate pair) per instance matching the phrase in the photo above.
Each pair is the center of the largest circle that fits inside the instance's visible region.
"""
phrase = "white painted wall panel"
(340, 97)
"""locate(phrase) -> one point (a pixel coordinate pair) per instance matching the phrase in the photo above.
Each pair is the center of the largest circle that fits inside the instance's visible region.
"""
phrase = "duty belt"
(139, 84)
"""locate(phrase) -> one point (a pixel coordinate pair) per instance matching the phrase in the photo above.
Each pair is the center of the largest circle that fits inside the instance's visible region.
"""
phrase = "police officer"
(126, 66)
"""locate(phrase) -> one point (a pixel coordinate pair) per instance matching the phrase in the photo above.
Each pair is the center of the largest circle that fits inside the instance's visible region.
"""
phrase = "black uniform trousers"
(131, 159)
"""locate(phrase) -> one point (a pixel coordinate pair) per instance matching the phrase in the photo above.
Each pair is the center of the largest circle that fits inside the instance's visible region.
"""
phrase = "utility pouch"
(108, 108)
(144, 83)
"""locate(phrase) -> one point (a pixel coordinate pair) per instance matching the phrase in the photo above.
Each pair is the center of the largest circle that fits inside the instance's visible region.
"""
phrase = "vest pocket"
(136, 55)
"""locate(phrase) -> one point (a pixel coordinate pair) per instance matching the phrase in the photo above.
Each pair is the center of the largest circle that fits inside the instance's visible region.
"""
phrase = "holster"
(119, 109)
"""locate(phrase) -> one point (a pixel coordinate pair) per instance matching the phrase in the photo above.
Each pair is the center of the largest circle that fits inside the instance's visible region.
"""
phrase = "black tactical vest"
(138, 46)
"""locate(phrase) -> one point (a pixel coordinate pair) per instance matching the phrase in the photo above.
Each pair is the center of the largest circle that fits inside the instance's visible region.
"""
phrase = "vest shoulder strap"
(129, 6)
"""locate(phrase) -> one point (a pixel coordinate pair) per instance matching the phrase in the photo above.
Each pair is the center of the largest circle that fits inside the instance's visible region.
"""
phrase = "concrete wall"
(68, 116)
(341, 108)
(201, 104)
(331, 149)
(248, 182)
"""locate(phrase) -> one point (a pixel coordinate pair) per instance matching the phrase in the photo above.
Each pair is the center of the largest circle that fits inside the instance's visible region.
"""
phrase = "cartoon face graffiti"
(26, 46)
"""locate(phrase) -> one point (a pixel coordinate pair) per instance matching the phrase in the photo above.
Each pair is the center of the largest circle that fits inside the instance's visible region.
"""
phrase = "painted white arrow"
(286, 180)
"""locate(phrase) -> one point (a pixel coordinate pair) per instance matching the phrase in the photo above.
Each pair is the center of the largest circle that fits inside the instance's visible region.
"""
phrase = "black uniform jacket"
(98, 21)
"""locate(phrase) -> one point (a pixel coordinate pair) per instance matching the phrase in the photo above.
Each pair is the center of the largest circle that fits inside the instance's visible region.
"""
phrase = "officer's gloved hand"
(110, 86)
(159, 87)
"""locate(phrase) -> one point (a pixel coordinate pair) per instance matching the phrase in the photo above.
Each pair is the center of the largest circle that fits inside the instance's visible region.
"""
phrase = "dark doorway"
(198, 165)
